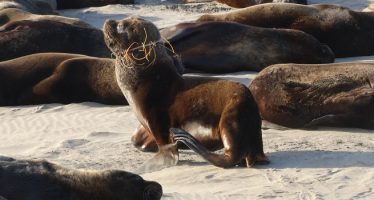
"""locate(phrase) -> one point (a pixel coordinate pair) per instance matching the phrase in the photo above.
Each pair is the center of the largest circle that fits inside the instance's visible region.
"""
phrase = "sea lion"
(58, 78)
(303, 96)
(247, 3)
(348, 33)
(42, 180)
(32, 6)
(23, 33)
(163, 100)
(69, 4)
(220, 47)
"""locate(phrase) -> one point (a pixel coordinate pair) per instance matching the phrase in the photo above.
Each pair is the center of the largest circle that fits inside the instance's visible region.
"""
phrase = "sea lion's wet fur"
(23, 33)
(247, 3)
(69, 4)
(58, 78)
(41, 180)
(303, 96)
(162, 99)
(32, 6)
(348, 33)
(220, 47)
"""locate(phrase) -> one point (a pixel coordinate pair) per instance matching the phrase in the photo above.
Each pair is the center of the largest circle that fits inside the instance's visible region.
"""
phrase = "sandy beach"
(326, 163)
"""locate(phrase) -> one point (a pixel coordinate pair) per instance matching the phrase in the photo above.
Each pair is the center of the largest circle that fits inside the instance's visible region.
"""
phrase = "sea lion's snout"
(120, 28)
(153, 190)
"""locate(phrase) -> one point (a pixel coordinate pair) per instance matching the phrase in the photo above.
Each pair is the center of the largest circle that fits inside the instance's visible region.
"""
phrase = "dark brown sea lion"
(162, 99)
(348, 33)
(32, 6)
(23, 33)
(220, 47)
(68, 4)
(247, 3)
(58, 78)
(42, 180)
(302, 96)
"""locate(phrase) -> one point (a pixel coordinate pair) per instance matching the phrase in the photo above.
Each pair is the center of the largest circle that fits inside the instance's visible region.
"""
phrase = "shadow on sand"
(319, 159)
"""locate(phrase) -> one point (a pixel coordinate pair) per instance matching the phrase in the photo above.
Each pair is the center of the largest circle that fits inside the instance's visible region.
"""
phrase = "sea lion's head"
(135, 41)
(127, 185)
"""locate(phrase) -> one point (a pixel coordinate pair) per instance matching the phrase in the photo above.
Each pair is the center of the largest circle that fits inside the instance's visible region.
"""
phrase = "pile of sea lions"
(291, 45)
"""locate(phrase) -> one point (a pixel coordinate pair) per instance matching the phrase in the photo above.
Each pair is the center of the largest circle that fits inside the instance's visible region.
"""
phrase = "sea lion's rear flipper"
(326, 120)
(225, 160)
(180, 135)
(358, 120)
(179, 32)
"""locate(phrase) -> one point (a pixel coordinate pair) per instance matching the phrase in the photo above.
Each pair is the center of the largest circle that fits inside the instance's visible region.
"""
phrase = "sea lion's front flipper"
(166, 157)
(178, 32)
(331, 120)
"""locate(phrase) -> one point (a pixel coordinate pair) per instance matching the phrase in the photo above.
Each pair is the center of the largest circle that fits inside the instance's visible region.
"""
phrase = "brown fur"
(69, 4)
(23, 33)
(41, 180)
(247, 3)
(58, 78)
(347, 32)
(302, 96)
(162, 99)
(32, 6)
(220, 47)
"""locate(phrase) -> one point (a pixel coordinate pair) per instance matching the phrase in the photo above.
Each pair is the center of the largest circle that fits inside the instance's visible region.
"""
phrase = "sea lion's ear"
(153, 191)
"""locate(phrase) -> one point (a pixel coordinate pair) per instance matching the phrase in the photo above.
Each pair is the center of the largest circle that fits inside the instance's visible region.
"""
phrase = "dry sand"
(328, 163)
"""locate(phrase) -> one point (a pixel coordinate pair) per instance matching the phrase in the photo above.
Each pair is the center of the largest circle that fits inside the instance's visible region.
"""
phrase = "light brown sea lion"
(247, 3)
(58, 78)
(42, 180)
(220, 47)
(348, 33)
(302, 96)
(68, 4)
(163, 100)
(32, 6)
(23, 33)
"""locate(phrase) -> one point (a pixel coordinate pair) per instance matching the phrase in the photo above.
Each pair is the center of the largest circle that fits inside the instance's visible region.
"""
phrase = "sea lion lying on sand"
(68, 4)
(42, 180)
(58, 78)
(162, 99)
(348, 33)
(220, 47)
(247, 3)
(32, 6)
(303, 96)
(23, 33)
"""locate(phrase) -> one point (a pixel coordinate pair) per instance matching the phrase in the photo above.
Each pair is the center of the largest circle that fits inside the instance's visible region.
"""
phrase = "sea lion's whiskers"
(171, 49)
(146, 48)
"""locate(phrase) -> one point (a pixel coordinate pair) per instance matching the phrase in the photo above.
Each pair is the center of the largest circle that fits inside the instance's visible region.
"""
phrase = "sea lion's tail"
(225, 160)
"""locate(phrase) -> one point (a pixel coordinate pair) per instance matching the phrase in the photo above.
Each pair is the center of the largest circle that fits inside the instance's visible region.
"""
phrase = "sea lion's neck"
(127, 75)
(85, 184)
